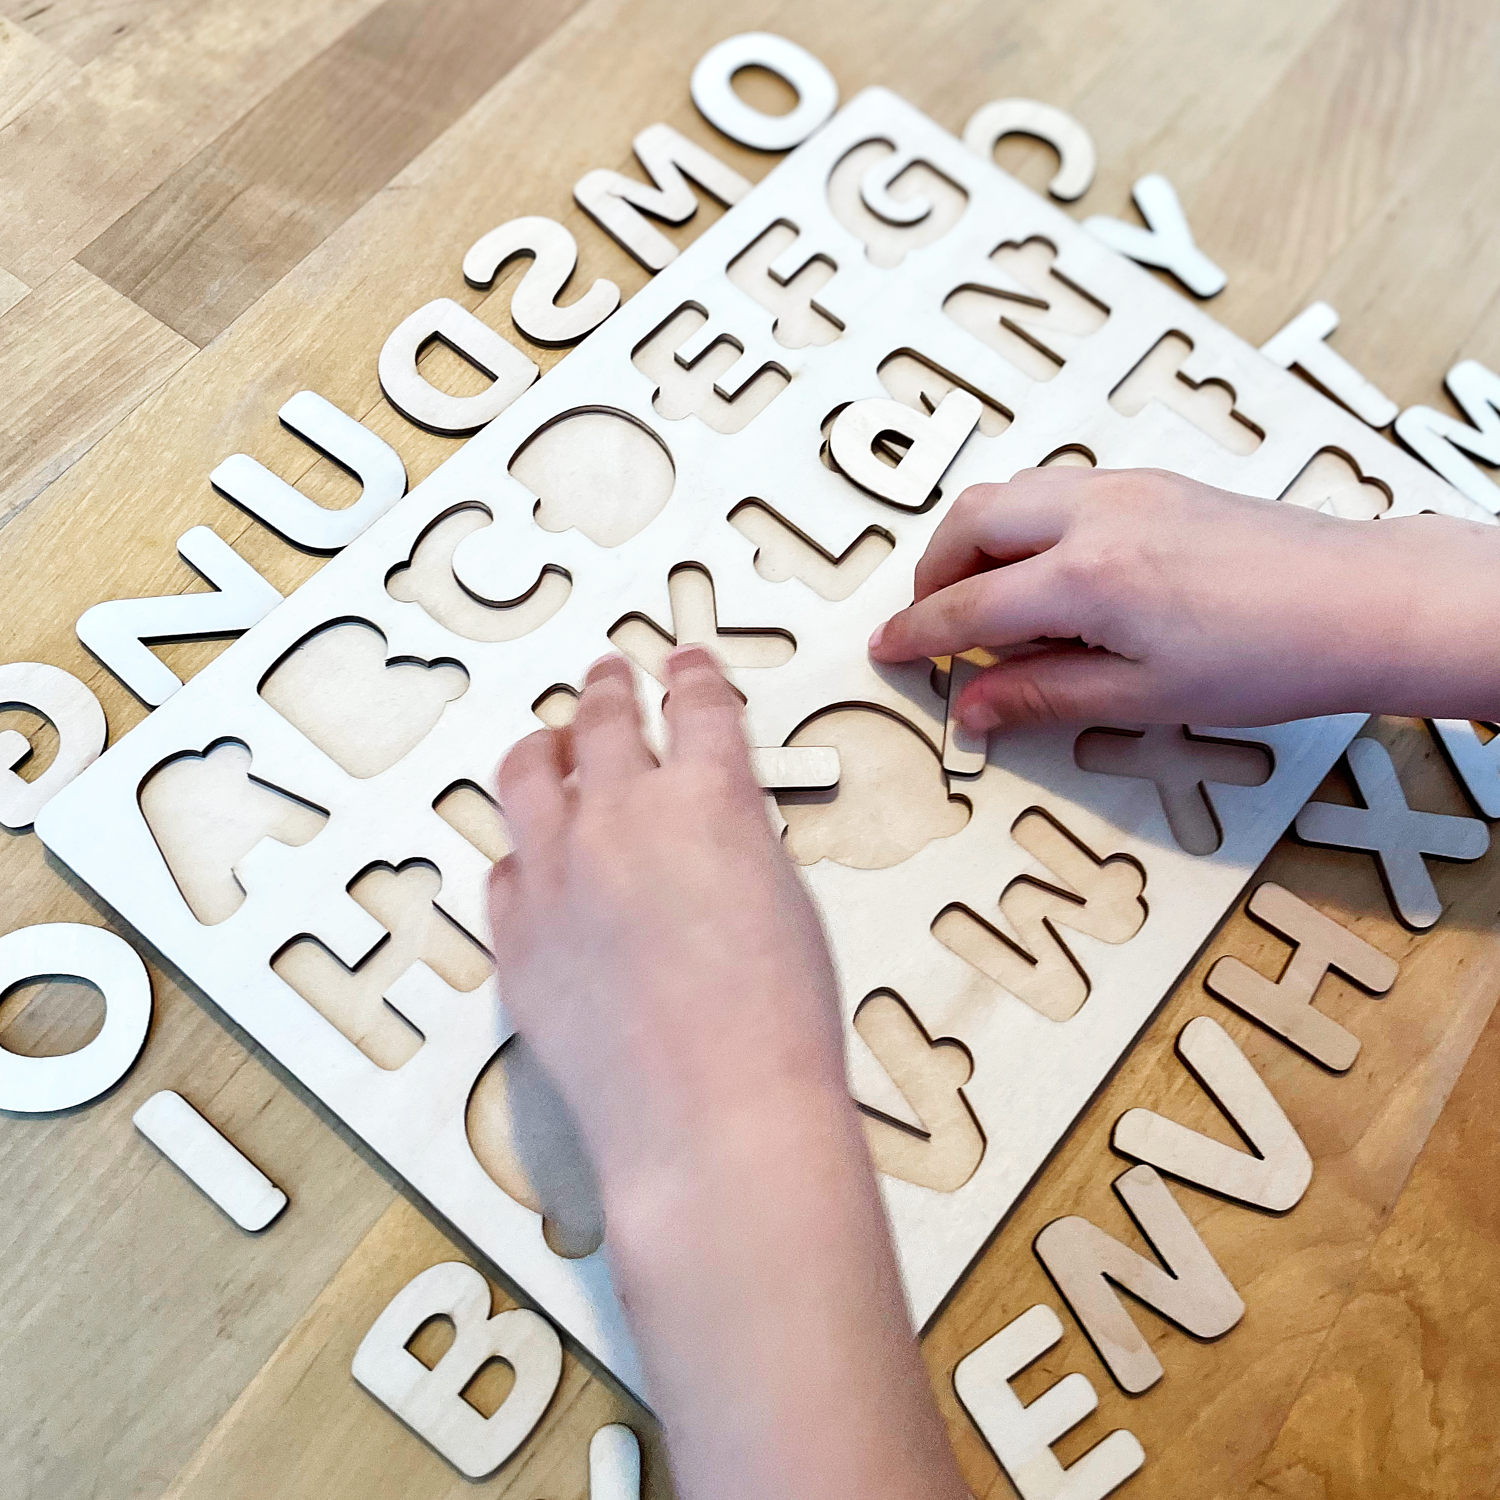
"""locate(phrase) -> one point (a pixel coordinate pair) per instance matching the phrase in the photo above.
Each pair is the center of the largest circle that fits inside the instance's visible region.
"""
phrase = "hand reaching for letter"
(1138, 595)
(659, 953)
(653, 941)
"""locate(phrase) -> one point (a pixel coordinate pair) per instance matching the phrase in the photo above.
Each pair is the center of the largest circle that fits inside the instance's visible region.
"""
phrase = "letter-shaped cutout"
(285, 509)
(39, 1085)
(1192, 1291)
(864, 428)
(81, 731)
(1021, 1437)
(1333, 483)
(1436, 438)
(431, 1401)
(417, 399)
(783, 552)
(930, 1075)
(533, 304)
(1285, 1005)
(1301, 343)
(427, 580)
(1101, 898)
(1166, 242)
(121, 631)
(1275, 1177)
(713, 91)
(892, 201)
(618, 203)
(360, 707)
(1076, 158)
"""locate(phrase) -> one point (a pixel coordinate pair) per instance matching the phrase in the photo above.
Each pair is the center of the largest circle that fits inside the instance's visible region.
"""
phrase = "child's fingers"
(997, 523)
(705, 718)
(530, 787)
(1064, 686)
(607, 740)
(1004, 607)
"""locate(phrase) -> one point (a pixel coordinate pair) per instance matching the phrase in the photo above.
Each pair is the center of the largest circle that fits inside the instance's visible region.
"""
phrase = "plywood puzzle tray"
(678, 477)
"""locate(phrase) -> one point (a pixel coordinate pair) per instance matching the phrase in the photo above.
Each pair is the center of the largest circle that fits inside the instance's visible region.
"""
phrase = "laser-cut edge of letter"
(1077, 159)
(209, 1160)
(429, 1401)
(81, 731)
(41, 1085)
(1021, 1436)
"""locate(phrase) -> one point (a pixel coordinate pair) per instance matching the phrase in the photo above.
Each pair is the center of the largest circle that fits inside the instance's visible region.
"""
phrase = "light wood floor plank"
(89, 150)
(75, 357)
(228, 224)
(1401, 1400)
(303, 1427)
(135, 1310)
(29, 69)
(1220, 1405)
(1318, 147)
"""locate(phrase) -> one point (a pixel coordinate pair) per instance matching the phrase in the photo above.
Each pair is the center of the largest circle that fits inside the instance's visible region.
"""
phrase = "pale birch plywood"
(1320, 150)
(1031, 1075)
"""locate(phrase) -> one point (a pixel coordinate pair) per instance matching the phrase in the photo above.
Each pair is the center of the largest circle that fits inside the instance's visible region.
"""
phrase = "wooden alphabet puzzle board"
(1034, 908)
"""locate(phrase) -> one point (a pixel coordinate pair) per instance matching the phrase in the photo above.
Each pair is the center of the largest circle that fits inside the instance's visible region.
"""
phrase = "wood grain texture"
(303, 1427)
(228, 224)
(171, 83)
(75, 357)
(1400, 1400)
(1335, 148)
(29, 70)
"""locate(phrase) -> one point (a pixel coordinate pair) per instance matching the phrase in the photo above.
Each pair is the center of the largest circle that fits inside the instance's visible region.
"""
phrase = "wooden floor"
(207, 205)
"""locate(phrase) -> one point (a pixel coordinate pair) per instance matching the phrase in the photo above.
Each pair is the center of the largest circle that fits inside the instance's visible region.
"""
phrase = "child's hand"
(652, 941)
(659, 953)
(1138, 595)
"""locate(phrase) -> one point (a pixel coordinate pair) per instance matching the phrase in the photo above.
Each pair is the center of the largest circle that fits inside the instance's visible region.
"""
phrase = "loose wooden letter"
(614, 1464)
(617, 203)
(78, 719)
(209, 1160)
(934, 443)
(431, 1401)
(39, 1085)
(1166, 242)
(416, 398)
(713, 92)
(1021, 1437)
(285, 509)
(1275, 1177)
(1285, 1005)
(120, 631)
(1436, 437)
(1192, 1292)
(1076, 158)
(533, 304)
(1301, 343)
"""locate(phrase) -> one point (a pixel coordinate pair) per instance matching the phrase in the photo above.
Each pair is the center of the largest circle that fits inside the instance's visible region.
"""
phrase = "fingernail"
(690, 656)
(978, 718)
(876, 638)
(609, 665)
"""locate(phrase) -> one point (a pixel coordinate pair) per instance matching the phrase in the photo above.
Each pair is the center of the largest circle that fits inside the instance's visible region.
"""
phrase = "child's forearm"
(759, 1278)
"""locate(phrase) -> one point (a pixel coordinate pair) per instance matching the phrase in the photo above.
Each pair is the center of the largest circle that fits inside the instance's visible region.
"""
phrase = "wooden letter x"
(1397, 835)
